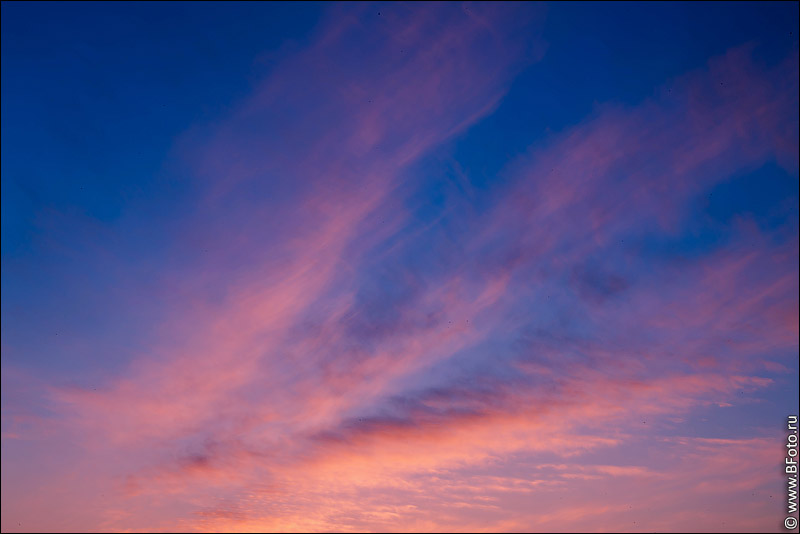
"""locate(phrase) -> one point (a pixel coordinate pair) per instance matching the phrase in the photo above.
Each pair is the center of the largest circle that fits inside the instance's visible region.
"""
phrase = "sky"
(504, 267)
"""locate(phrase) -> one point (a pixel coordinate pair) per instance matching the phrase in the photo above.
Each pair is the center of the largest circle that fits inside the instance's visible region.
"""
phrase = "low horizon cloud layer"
(330, 325)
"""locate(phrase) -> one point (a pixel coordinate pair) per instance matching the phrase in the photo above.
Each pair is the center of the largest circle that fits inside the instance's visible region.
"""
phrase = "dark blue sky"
(96, 93)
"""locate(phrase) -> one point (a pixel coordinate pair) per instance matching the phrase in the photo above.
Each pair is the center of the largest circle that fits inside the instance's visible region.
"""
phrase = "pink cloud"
(258, 405)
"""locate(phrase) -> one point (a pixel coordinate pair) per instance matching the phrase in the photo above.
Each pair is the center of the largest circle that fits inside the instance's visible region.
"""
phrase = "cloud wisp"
(531, 363)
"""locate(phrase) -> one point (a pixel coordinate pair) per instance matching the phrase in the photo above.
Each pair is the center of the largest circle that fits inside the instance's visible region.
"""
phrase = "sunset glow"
(424, 267)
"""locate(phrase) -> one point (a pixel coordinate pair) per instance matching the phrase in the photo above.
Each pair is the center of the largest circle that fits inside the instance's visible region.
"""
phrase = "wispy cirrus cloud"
(325, 364)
